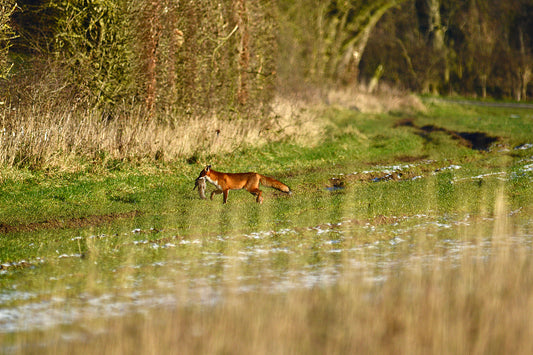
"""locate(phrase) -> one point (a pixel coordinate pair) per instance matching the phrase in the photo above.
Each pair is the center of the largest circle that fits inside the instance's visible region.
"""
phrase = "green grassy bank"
(350, 142)
(388, 161)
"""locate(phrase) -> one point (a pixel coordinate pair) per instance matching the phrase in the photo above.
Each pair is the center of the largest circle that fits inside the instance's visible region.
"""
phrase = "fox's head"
(204, 172)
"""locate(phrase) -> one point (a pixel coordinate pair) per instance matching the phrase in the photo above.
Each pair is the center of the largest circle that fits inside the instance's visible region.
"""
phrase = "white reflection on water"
(393, 245)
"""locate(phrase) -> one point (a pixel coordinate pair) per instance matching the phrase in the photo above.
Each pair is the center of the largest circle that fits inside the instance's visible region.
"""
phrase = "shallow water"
(146, 273)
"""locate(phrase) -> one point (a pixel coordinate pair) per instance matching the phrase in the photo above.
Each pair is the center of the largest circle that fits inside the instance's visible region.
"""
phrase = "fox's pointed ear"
(207, 168)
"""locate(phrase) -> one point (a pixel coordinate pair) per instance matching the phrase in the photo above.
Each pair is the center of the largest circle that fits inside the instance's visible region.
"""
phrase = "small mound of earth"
(411, 171)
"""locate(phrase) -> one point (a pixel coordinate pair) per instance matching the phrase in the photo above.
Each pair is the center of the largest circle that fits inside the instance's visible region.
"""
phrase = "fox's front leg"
(215, 192)
(225, 195)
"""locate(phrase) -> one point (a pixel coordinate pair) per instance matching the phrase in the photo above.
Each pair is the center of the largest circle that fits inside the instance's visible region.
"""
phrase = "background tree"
(351, 24)
(433, 30)
(486, 48)
(326, 40)
(7, 7)
(522, 44)
(188, 58)
(482, 35)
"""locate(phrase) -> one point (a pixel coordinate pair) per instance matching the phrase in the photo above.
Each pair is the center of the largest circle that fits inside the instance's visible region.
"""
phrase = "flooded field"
(402, 251)
(121, 272)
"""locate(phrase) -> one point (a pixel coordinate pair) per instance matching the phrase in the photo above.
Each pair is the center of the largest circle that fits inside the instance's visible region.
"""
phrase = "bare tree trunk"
(436, 29)
(526, 79)
(483, 79)
(353, 54)
(151, 18)
(244, 51)
(524, 70)
(430, 22)
(354, 37)
(431, 26)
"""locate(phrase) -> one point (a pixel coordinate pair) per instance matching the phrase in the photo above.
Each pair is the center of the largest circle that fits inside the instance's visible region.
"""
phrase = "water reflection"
(172, 270)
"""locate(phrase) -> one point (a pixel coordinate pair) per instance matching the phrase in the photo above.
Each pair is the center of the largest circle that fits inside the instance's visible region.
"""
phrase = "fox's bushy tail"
(270, 182)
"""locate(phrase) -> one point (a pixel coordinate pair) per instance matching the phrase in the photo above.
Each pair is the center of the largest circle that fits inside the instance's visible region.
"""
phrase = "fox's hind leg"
(258, 193)
(217, 192)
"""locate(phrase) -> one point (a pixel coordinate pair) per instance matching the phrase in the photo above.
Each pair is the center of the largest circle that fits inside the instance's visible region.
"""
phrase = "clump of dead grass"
(66, 138)
(384, 100)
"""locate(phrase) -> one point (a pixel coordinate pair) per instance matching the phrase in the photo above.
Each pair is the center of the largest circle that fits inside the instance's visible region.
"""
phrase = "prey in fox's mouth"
(201, 185)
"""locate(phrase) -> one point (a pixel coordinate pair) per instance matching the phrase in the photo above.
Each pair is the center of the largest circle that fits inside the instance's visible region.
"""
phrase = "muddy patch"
(398, 172)
(340, 182)
(474, 140)
(67, 223)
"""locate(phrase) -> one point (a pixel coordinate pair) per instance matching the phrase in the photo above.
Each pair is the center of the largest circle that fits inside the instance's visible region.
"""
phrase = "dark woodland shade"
(233, 56)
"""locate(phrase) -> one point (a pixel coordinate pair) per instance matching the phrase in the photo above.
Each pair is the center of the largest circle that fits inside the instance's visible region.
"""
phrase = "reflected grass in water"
(434, 287)
(411, 283)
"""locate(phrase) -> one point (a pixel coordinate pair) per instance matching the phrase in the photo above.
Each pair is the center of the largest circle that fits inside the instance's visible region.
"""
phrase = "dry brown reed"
(385, 99)
(65, 139)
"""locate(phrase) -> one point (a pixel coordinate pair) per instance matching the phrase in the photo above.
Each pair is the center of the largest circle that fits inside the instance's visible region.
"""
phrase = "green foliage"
(93, 39)
(7, 7)
(229, 58)
(165, 56)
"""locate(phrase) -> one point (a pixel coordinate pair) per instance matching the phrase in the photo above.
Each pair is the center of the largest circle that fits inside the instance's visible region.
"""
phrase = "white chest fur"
(214, 182)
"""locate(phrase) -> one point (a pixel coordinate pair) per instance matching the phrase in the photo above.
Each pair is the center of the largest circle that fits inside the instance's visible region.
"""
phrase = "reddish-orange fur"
(235, 181)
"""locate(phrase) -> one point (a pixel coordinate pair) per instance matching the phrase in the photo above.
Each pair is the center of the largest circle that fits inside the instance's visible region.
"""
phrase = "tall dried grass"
(385, 99)
(66, 139)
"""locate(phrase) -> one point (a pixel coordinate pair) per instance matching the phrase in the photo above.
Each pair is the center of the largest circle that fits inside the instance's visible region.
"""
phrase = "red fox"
(235, 181)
